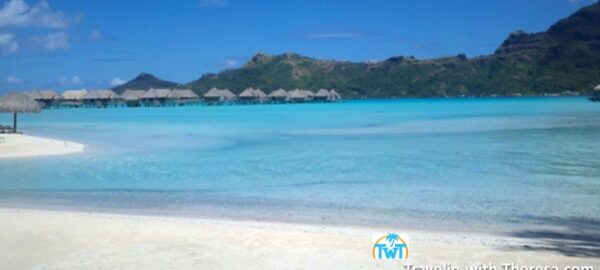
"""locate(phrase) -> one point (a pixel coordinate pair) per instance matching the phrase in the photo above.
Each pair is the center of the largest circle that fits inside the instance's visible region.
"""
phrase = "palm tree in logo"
(392, 238)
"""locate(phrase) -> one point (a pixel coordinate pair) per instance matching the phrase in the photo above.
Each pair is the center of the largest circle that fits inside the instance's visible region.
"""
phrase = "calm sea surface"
(476, 164)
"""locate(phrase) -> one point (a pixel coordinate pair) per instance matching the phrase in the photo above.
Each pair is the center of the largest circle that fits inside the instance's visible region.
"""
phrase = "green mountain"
(565, 57)
(145, 81)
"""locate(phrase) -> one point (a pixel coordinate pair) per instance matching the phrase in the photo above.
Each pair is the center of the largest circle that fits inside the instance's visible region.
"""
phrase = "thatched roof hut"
(184, 94)
(74, 95)
(157, 94)
(45, 95)
(297, 95)
(253, 95)
(322, 94)
(35, 95)
(279, 94)
(90, 95)
(149, 94)
(219, 95)
(229, 96)
(334, 95)
(261, 95)
(132, 95)
(107, 94)
(213, 93)
(309, 94)
(18, 103)
(248, 93)
(49, 95)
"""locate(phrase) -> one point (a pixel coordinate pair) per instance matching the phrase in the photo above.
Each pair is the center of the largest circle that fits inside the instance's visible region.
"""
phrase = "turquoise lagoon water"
(477, 164)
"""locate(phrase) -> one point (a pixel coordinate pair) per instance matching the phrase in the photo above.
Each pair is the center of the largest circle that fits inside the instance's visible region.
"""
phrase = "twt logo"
(391, 247)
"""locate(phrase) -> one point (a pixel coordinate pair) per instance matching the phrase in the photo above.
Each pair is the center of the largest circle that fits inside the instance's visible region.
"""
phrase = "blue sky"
(72, 44)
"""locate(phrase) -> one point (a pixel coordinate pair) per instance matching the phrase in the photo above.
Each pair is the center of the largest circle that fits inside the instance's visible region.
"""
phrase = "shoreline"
(19, 146)
(79, 240)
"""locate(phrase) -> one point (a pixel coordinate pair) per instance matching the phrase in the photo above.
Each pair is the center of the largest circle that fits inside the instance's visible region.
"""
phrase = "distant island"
(563, 59)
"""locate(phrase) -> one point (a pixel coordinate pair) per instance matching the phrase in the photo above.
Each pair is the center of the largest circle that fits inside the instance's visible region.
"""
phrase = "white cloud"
(72, 81)
(17, 13)
(117, 81)
(76, 80)
(334, 35)
(96, 35)
(52, 42)
(13, 80)
(231, 63)
(213, 3)
(8, 43)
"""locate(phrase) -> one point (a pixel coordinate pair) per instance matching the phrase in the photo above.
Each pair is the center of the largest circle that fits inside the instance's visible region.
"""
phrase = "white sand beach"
(18, 145)
(36, 239)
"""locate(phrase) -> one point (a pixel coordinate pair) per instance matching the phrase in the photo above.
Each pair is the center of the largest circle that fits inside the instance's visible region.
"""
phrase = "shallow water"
(477, 164)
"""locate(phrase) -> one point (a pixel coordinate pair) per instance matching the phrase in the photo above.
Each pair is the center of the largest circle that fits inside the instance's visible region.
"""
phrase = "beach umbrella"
(597, 88)
(18, 103)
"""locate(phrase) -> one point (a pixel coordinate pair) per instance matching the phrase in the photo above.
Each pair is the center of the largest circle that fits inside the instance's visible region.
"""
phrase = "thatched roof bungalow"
(297, 95)
(309, 94)
(278, 95)
(334, 95)
(73, 95)
(262, 97)
(91, 98)
(215, 96)
(107, 94)
(183, 96)
(251, 95)
(156, 97)
(72, 98)
(323, 95)
(45, 97)
(132, 97)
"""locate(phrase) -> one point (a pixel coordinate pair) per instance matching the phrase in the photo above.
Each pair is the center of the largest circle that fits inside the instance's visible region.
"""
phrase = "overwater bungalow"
(297, 96)
(278, 96)
(252, 96)
(310, 96)
(72, 98)
(91, 98)
(46, 98)
(262, 96)
(184, 96)
(322, 95)
(109, 98)
(131, 98)
(333, 95)
(73, 95)
(219, 96)
(230, 97)
(247, 96)
(156, 97)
